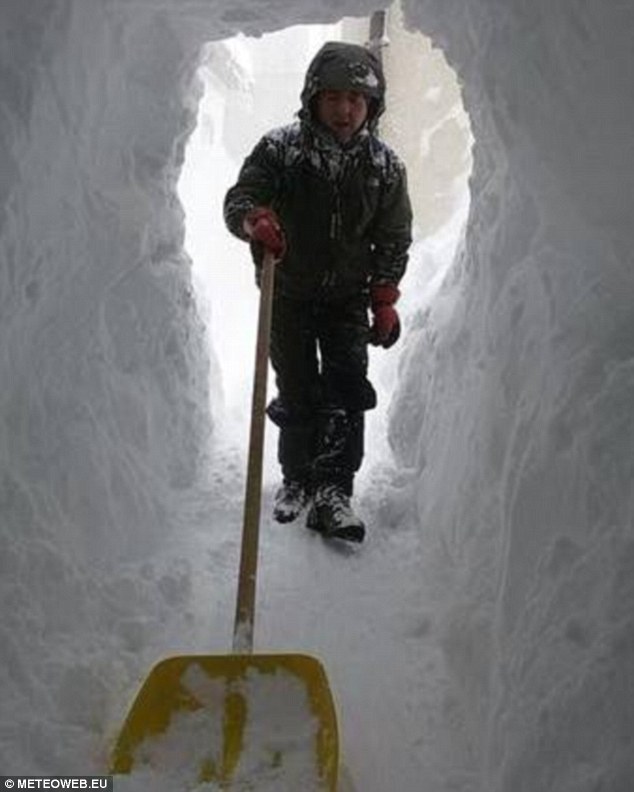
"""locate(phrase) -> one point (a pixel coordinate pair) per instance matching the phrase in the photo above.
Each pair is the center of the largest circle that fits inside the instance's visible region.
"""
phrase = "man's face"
(343, 112)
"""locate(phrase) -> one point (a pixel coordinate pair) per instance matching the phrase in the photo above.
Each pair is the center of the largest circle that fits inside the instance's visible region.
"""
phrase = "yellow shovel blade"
(234, 719)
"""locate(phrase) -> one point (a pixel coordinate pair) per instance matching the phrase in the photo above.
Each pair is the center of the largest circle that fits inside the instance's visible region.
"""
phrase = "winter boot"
(290, 500)
(331, 515)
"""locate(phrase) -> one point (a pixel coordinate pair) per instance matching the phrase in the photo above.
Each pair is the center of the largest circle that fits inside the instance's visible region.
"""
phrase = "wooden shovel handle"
(245, 606)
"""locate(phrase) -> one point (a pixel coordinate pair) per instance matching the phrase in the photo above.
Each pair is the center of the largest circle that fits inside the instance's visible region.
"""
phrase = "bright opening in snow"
(252, 85)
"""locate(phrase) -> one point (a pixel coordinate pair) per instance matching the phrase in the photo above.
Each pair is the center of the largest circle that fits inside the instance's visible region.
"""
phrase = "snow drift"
(511, 423)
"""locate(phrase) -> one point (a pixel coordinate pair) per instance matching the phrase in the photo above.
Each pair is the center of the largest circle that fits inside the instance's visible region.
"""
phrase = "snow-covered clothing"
(344, 209)
(346, 219)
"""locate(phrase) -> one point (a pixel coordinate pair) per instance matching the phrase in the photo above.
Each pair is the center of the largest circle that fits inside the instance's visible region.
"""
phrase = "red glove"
(263, 226)
(386, 327)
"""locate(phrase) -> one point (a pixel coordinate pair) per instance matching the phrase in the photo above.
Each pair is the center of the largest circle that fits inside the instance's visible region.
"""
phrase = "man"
(330, 200)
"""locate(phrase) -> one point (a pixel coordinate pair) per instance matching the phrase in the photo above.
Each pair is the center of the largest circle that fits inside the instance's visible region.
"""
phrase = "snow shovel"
(239, 721)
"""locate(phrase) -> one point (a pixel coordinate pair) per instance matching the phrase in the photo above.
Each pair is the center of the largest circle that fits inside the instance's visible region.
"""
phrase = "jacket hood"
(340, 66)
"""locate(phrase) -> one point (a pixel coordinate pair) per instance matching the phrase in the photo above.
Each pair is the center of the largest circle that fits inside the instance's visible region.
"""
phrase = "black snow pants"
(320, 358)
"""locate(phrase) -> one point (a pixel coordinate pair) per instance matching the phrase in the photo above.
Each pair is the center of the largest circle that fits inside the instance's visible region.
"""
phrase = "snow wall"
(518, 380)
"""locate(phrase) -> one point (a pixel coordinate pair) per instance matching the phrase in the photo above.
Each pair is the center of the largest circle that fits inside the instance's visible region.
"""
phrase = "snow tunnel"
(483, 641)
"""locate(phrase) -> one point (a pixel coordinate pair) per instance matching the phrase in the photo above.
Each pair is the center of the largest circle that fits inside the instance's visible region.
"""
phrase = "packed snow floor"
(367, 612)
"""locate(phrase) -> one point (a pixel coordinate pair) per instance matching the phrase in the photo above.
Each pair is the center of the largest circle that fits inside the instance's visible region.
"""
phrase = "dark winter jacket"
(344, 208)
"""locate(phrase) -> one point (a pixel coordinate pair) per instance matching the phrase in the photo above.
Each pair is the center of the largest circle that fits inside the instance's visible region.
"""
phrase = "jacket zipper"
(335, 217)
(329, 278)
